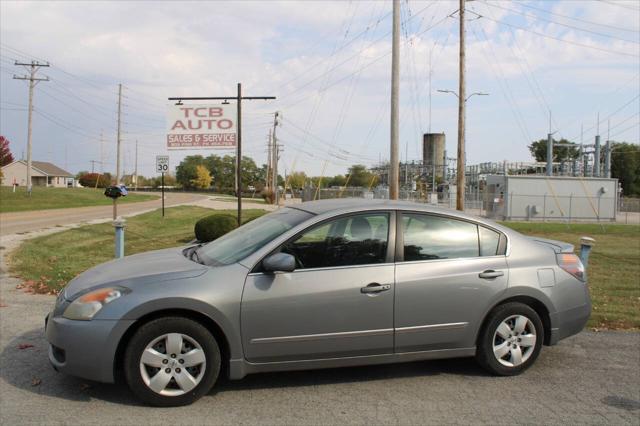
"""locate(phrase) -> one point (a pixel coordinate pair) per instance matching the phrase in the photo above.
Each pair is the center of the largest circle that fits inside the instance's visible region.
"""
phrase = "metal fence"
(519, 207)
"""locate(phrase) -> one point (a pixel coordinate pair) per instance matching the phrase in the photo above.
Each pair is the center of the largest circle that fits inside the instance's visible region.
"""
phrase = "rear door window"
(428, 237)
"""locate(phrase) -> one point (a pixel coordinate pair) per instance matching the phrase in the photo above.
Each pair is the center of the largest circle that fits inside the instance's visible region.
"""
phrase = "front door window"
(346, 241)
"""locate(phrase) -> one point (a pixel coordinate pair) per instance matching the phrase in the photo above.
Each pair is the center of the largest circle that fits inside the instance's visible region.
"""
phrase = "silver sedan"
(319, 285)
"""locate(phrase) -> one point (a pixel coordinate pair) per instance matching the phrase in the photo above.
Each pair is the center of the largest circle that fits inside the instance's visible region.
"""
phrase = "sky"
(569, 66)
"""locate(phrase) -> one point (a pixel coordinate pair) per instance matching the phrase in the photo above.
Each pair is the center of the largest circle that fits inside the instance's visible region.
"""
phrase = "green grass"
(43, 198)
(613, 272)
(47, 263)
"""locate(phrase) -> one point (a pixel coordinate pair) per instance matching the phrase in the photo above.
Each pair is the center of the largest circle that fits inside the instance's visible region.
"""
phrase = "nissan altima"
(322, 284)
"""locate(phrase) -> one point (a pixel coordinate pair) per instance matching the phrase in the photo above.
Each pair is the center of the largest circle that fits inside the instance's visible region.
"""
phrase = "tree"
(538, 151)
(297, 180)
(203, 177)
(625, 166)
(89, 180)
(337, 180)
(359, 175)
(5, 153)
(186, 172)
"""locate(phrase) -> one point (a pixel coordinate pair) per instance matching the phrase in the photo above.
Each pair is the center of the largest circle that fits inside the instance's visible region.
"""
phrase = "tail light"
(572, 264)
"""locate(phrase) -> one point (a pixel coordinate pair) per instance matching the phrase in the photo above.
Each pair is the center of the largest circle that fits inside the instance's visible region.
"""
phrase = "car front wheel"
(171, 361)
(511, 339)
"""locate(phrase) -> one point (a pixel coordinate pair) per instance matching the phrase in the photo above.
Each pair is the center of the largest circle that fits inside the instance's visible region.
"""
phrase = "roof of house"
(47, 168)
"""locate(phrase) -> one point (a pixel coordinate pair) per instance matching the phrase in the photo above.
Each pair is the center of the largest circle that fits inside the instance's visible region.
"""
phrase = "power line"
(624, 6)
(601, 49)
(578, 19)
(539, 93)
(539, 18)
(357, 54)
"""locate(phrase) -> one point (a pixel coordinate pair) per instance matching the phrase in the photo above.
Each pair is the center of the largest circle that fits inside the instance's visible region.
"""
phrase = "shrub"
(211, 227)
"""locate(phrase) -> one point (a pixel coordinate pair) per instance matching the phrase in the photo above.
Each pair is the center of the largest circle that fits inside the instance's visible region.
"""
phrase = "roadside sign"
(201, 126)
(162, 163)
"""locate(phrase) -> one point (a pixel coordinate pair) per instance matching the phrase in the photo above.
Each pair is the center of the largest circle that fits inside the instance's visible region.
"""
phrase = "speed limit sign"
(162, 163)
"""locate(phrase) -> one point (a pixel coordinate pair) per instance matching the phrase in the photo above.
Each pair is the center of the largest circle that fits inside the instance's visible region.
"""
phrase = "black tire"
(154, 329)
(485, 354)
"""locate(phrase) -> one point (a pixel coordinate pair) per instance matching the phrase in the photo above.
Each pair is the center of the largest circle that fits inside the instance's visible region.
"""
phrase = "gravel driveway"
(592, 378)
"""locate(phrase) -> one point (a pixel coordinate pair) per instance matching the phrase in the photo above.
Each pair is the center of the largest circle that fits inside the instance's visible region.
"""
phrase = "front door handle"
(375, 288)
(490, 274)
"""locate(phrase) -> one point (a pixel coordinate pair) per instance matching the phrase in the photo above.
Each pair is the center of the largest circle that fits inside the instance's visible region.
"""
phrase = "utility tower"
(33, 68)
(394, 160)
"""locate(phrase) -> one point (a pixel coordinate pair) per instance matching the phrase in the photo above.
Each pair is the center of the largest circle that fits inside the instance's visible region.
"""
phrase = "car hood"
(139, 269)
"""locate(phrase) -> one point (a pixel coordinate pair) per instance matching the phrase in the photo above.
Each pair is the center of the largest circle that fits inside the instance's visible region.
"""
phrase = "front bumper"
(567, 323)
(85, 349)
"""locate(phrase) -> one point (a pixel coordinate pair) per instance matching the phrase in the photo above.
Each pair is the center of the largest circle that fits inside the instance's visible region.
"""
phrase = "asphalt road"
(18, 222)
(592, 378)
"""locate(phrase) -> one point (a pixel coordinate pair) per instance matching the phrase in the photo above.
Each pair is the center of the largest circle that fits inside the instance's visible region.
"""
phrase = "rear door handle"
(490, 274)
(375, 288)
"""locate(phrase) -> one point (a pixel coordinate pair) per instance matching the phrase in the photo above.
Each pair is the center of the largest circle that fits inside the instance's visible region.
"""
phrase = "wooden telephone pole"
(462, 100)
(33, 68)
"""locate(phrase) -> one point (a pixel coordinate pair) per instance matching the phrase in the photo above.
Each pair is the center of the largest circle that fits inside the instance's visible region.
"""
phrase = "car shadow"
(24, 364)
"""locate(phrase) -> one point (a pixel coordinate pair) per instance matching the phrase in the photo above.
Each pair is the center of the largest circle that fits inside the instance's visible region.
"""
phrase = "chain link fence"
(517, 207)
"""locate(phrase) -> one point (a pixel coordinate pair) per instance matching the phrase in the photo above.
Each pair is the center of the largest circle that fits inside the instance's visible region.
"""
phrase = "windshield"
(248, 238)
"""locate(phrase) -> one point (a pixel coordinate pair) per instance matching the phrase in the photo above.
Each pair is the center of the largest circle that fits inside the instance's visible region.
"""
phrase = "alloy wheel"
(173, 364)
(514, 341)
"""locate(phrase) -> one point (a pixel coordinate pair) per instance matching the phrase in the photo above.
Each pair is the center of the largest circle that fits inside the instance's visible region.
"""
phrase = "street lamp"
(467, 98)
(461, 166)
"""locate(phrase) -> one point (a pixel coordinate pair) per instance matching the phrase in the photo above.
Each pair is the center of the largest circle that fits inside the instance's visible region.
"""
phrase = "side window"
(433, 237)
(489, 241)
(350, 240)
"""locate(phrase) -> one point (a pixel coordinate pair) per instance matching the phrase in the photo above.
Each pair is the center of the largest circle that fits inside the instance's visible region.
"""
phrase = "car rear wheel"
(171, 361)
(511, 340)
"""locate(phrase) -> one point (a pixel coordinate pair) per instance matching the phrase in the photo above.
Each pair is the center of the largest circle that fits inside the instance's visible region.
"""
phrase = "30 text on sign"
(201, 126)
(162, 163)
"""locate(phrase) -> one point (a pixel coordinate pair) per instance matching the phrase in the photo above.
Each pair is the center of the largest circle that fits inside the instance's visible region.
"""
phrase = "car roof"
(351, 205)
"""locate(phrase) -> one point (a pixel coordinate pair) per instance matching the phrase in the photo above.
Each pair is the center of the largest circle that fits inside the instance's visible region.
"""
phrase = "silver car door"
(443, 285)
(337, 303)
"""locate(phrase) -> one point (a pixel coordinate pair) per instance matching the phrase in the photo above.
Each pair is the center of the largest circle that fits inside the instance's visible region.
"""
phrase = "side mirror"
(279, 262)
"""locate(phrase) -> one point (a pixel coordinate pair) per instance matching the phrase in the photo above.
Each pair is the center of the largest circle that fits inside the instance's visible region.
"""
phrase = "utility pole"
(101, 154)
(462, 98)
(269, 159)
(135, 182)
(274, 160)
(394, 172)
(33, 68)
(239, 98)
(118, 141)
(549, 154)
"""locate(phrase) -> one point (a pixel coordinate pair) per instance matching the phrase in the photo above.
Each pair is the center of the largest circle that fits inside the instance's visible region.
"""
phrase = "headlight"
(87, 305)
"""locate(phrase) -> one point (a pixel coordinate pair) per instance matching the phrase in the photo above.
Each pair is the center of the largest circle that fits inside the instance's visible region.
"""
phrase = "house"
(42, 174)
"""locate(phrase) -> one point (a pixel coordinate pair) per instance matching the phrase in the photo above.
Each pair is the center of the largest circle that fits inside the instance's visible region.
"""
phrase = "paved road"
(592, 378)
(18, 222)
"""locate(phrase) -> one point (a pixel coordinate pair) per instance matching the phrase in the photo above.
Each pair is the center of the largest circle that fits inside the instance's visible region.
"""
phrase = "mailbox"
(115, 191)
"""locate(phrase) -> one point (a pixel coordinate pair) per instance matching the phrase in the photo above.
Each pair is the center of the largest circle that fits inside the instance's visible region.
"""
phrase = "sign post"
(162, 166)
(210, 126)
